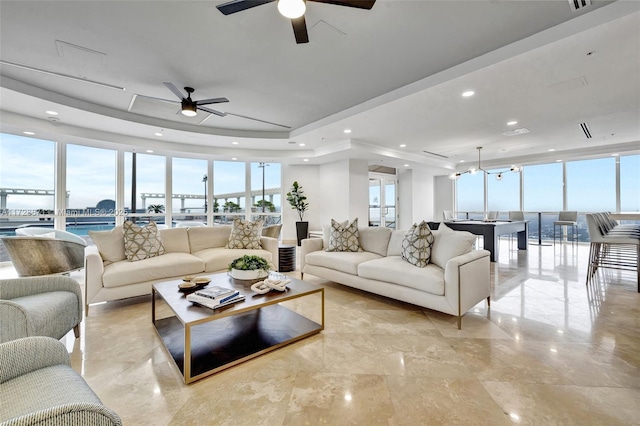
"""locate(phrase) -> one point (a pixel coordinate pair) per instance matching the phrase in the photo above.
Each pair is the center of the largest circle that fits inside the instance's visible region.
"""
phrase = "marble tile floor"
(550, 351)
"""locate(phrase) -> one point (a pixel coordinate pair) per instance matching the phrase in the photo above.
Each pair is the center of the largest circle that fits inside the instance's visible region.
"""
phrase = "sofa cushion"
(219, 258)
(245, 234)
(344, 238)
(175, 240)
(166, 266)
(110, 244)
(394, 270)
(449, 244)
(141, 242)
(416, 246)
(375, 239)
(340, 261)
(395, 242)
(204, 237)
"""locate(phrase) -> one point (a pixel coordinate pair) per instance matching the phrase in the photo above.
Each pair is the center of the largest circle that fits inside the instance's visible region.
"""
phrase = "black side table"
(287, 258)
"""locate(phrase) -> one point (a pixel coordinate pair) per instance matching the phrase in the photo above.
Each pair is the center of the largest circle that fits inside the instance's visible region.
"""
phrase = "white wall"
(416, 193)
(443, 189)
(338, 190)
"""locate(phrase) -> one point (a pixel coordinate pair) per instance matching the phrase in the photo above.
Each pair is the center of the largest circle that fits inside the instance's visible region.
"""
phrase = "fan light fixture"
(291, 9)
(188, 109)
(474, 170)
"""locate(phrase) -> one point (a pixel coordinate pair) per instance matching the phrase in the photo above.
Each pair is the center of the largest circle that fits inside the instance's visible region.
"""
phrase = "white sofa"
(456, 279)
(188, 251)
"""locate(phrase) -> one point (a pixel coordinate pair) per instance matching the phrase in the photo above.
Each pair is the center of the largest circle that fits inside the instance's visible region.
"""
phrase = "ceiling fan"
(292, 9)
(190, 107)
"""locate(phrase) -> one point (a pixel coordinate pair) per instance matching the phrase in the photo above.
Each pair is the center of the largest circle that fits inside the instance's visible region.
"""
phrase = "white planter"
(248, 275)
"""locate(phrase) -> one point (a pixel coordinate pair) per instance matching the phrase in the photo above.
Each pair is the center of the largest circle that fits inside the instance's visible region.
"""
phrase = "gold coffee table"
(203, 341)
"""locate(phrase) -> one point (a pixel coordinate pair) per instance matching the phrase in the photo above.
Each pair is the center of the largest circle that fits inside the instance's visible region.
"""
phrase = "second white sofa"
(456, 279)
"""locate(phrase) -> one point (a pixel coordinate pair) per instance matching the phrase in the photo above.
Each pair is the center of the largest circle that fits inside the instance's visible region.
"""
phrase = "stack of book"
(215, 297)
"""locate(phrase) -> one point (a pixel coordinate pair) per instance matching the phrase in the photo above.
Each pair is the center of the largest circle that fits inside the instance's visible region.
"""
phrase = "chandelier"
(474, 170)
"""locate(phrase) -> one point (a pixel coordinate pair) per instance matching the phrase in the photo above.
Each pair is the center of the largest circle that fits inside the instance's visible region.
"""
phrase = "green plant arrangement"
(298, 200)
(250, 263)
(155, 208)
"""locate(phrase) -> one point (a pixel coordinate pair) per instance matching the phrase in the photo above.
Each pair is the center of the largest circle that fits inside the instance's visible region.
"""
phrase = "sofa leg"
(459, 322)
(302, 275)
(76, 330)
(86, 310)
(489, 301)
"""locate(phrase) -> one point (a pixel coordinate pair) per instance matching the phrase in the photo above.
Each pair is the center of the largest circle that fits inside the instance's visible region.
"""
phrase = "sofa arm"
(467, 280)
(271, 245)
(88, 413)
(307, 246)
(22, 356)
(93, 270)
(28, 286)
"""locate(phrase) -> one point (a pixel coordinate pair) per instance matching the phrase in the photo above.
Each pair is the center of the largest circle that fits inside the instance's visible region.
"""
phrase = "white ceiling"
(393, 75)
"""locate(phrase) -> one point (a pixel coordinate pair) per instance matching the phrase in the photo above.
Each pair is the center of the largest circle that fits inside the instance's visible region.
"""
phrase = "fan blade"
(175, 90)
(300, 30)
(211, 101)
(257, 119)
(360, 4)
(212, 111)
(240, 5)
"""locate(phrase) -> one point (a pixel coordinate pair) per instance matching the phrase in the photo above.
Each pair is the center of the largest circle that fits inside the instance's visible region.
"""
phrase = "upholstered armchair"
(38, 387)
(40, 255)
(39, 306)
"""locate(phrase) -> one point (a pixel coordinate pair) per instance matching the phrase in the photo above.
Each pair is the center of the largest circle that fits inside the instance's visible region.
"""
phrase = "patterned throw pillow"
(344, 238)
(141, 242)
(245, 235)
(416, 246)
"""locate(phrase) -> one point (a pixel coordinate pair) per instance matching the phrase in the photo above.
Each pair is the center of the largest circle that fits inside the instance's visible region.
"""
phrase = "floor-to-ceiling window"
(630, 183)
(470, 195)
(542, 193)
(266, 192)
(503, 192)
(229, 190)
(148, 186)
(189, 183)
(91, 188)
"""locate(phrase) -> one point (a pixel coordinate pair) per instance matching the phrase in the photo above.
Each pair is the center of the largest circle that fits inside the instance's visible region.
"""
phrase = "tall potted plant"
(298, 202)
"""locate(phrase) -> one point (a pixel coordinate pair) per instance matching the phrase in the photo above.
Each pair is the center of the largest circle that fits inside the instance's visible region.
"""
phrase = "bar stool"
(568, 219)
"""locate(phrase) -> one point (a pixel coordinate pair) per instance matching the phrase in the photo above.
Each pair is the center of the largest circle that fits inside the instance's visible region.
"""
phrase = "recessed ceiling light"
(347, 130)
(234, 158)
(51, 112)
(462, 161)
(512, 123)
(306, 159)
(468, 93)
(406, 165)
(403, 145)
(558, 161)
(234, 143)
(29, 133)
(158, 134)
(302, 144)
(614, 155)
(149, 151)
(551, 149)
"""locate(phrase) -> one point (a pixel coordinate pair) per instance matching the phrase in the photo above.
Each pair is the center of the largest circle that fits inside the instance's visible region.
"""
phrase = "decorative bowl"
(201, 280)
(239, 274)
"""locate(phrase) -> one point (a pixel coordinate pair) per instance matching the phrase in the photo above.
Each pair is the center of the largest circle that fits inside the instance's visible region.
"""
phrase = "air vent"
(437, 155)
(514, 132)
(579, 4)
(586, 130)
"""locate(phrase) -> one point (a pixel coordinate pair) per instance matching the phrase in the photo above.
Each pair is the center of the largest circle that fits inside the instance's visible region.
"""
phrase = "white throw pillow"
(375, 239)
(395, 242)
(110, 244)
(449, 244)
